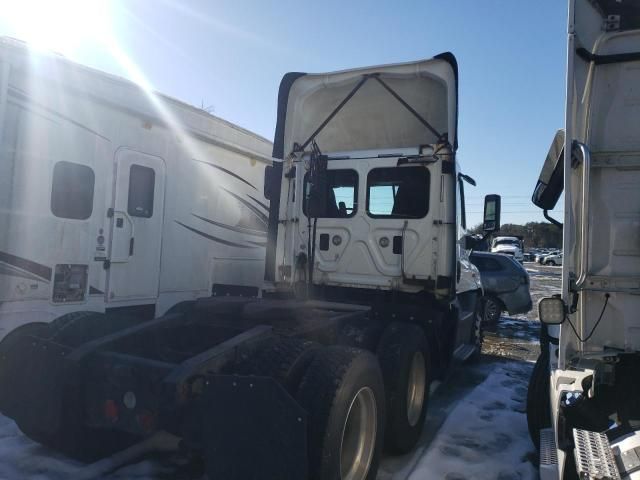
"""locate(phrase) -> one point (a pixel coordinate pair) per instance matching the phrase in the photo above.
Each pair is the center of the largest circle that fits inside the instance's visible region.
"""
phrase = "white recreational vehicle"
(114, 197)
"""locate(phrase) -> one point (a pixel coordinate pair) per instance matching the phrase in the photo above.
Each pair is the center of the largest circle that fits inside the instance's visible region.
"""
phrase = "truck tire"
(72, 437)
(538, 407)
(343, 394)
(285, 360)
(406, 370)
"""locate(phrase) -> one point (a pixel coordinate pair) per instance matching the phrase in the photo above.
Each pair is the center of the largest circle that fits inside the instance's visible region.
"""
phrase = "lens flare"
(62, 25)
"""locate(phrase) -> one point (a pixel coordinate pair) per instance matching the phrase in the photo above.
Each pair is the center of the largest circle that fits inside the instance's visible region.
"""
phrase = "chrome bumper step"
(594, 457)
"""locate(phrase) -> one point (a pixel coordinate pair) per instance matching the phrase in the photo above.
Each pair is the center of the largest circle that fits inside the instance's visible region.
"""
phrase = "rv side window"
(142, 182)
(341, 194)
(398, 192)
(72, 191)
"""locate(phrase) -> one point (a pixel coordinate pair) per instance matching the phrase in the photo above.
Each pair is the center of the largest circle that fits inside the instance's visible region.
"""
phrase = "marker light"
(551, 310)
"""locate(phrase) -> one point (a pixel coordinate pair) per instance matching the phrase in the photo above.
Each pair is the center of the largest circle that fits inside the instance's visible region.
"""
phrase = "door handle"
(126, 216)
(119, 216)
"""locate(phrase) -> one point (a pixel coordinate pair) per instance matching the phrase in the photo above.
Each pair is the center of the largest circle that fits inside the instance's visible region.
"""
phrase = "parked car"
(555, 259)
(529, 256)
(505, 283)
(540, 258)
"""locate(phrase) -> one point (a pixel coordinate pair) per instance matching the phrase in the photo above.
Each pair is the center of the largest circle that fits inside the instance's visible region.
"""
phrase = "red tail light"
(111, 410)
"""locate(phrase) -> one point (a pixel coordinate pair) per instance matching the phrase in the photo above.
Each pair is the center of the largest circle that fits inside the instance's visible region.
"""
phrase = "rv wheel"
(6, 344)
(538, 407)
(406, 369)
(343, 394)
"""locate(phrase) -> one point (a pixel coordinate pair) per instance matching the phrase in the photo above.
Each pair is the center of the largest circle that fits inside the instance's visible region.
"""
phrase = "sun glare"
(61, 25)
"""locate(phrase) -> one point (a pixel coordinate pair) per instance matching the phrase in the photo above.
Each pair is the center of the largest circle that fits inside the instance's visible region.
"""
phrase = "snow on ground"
(23, 459)
(482, 435)
(485, 437)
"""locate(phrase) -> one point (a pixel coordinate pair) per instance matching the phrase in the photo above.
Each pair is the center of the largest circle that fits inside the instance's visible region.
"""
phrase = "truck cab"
(367, 198)
(584, 399)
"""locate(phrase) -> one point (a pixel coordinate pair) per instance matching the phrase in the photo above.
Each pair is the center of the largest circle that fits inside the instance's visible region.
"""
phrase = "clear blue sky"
(231, 54)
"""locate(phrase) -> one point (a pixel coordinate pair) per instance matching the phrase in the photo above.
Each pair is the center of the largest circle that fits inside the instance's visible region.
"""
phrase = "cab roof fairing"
(373, 118)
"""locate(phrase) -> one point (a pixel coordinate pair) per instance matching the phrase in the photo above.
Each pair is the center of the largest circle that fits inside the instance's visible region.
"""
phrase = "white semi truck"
(369, 296)
(584, 395)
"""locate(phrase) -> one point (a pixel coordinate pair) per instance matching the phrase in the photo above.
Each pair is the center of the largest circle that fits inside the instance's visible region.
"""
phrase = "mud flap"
(252, 429)
(34, 374)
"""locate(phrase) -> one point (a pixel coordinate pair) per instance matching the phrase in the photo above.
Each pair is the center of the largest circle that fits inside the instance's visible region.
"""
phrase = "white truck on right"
(583, 404)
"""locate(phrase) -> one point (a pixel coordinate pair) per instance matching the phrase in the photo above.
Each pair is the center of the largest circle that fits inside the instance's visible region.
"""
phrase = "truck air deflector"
(407, 105)
(365, 78)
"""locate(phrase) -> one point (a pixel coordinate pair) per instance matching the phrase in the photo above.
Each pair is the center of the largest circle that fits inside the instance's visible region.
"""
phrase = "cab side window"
(398, 192)
(341, 194)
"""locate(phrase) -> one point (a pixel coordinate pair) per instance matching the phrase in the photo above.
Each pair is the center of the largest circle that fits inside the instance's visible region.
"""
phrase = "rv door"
(136, 228)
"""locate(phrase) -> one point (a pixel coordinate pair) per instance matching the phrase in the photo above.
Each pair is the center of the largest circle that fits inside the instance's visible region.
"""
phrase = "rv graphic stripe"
(259, 244)
(266, 207)
(35, 268)
(212, 238)
(228, 172)
(263, 218)
(19, 94)
(10, 271)
(249, 231)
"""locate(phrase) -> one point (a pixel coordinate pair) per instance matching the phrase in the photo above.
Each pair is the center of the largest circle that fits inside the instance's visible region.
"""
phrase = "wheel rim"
(492, 312)
(359, 436)
(416, 388)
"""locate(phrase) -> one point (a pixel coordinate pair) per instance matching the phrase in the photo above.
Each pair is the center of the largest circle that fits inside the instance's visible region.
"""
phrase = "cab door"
(137, 219)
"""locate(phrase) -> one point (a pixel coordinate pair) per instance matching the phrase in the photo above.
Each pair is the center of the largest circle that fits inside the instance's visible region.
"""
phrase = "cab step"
(594, 457)
(548, 454)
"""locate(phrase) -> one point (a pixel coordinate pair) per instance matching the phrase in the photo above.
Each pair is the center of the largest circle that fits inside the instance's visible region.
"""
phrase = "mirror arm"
(551, 219)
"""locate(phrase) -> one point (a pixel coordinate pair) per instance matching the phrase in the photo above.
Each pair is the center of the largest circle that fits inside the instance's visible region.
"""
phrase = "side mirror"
(551, 310)
(551, 181)
(272, 181)
(491, 219)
